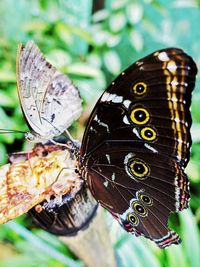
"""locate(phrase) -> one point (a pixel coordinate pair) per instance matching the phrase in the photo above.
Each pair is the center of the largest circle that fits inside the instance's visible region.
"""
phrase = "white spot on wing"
(104, 125)
(177, 194)
(177, 120)
(104, 97)
(96, 118)
(163, 56)
(174, 99)
(171, 66)
(174, 83)
(127, 103)
(106, 183)
(113, 177)
(108, 158)
(127, 157)
(124, 215)
(125, 120)
(135, 131)
(139, 63)
(111, 97)
(100, 123)
(117, 99)
(150, 148)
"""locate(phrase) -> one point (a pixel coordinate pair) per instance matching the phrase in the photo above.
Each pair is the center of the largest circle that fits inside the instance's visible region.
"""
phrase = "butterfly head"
(33, 137)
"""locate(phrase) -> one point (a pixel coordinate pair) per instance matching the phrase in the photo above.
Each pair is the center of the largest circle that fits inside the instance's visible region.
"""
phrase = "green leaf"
(7, 76)
(176, 256)
(190, 237)
(117, 22)
(35, 25)
(113, 40)
(6, 100)
(93, 59)
(3, 155)
(112, 62)
(100, 15)
(118, 4)
(100, 35)
(83, 69)
(41, 245)
(193, 171)
(136, 40)
(195, 132)
(134, 12)
(59, 58)
(128, 256)
(6, 123)
(147, 258)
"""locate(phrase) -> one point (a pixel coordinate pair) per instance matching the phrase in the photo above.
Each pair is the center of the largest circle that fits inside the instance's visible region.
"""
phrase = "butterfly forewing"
(137, 143)
(49, 100)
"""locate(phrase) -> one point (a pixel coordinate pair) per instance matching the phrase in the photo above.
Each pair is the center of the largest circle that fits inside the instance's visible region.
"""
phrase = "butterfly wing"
(33, 177)
(49, 100)
(136, 144)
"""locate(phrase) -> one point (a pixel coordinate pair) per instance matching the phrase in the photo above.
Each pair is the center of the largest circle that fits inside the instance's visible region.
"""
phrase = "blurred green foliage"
(92, 42)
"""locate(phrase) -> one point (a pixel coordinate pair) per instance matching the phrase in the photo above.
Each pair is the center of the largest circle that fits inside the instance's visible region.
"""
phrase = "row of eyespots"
(138, 168)
(140, 115)
(139, 209)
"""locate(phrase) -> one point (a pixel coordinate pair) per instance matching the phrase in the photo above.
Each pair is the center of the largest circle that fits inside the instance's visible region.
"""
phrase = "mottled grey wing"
(49, 100)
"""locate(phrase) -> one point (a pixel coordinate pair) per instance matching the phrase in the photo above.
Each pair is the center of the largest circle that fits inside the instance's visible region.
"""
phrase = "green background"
(92, 42)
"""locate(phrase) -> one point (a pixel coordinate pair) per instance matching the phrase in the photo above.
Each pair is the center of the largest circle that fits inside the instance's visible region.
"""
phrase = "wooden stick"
(93, 245)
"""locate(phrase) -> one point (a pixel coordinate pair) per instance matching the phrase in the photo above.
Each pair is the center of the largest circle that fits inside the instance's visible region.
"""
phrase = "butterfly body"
(136, 144)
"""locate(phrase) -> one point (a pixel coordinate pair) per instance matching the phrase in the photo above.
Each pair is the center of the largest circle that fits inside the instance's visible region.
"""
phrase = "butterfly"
(49, 100)
(137, 144)
(35, 176)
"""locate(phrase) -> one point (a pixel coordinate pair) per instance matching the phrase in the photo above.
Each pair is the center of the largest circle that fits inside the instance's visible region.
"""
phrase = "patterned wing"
(33, 177)
(136, 144)
(49, 100)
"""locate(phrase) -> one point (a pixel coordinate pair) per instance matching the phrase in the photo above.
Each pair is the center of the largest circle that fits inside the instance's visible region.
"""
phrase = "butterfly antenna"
(67, 134)
(5, 131)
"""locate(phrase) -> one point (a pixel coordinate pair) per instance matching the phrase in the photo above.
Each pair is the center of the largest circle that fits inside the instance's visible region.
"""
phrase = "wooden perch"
(92, 245)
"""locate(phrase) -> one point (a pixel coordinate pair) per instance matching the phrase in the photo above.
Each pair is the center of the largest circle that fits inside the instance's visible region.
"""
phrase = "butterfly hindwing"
(136, 144)
(117, 180)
